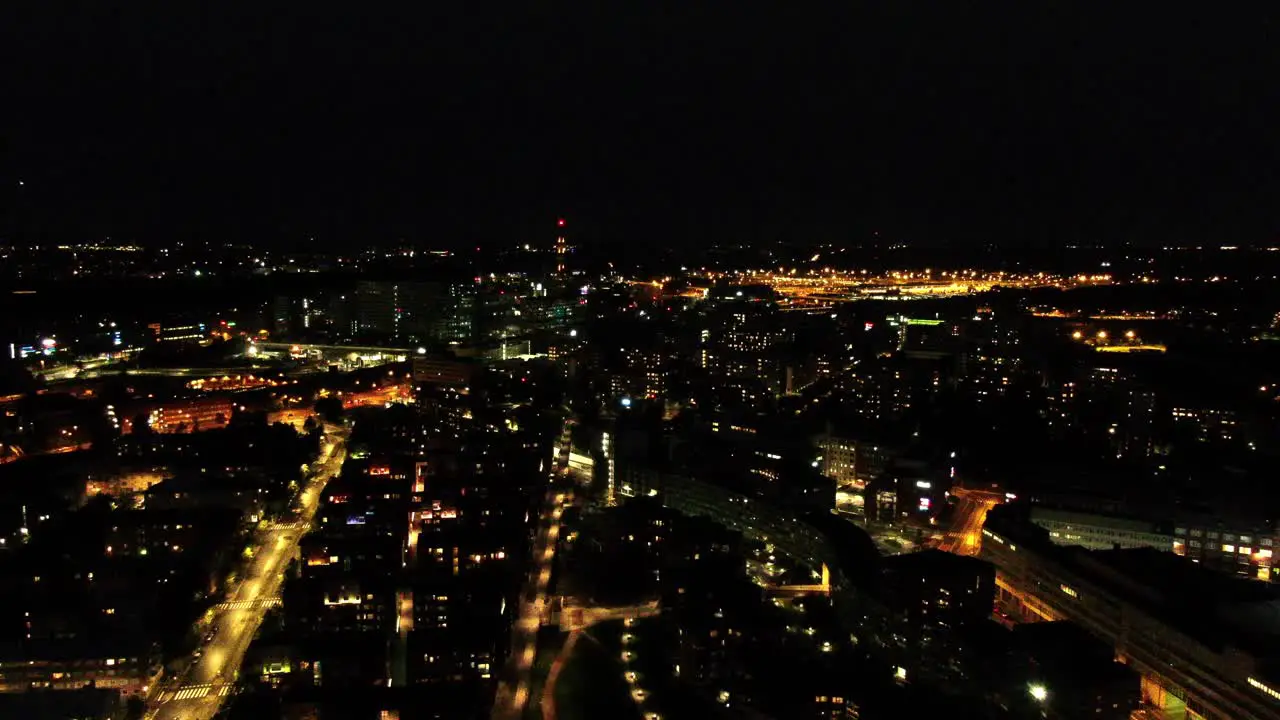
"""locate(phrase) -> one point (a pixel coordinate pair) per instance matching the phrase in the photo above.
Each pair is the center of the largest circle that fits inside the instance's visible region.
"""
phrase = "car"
(197, 653)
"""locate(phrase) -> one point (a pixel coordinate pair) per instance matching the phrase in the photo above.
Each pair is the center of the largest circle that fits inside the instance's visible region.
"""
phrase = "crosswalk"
(195, 692)
(296, 524)
(243, 604)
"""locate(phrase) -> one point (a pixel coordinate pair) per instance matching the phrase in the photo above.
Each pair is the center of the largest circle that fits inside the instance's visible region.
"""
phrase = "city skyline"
(644, 363)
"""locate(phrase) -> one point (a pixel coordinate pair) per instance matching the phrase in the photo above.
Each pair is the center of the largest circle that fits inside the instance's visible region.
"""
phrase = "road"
(965, 537)
(548, 703)
(533, 606)
(516, 679)
(199, 692)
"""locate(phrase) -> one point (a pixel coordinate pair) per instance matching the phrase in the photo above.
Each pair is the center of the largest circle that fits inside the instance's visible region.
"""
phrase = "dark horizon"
(922, 123)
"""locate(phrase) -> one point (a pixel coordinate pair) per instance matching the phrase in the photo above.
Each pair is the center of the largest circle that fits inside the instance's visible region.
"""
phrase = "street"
(515, 681)
(198, 693)
(965, 537)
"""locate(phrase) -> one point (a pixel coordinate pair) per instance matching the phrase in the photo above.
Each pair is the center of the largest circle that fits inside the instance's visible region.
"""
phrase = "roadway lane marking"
(247, 604)
(193, 692)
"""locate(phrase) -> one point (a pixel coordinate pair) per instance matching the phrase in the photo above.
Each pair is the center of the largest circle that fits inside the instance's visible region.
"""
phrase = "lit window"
(1274, 694)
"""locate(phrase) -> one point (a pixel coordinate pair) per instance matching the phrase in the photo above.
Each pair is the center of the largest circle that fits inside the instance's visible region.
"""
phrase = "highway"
(198, 693)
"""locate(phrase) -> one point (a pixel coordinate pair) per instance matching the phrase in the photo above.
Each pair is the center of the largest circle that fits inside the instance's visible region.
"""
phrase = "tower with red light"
(562, 250)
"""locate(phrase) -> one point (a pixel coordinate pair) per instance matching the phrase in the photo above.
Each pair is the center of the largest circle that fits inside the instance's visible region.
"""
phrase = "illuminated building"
(178, 333)
(889, 387)
(1208, 424)
(851, 463)
(1107, 405)
(443, 394)
(645, 373)
(1229, 545)
(193, 492)
(940, 590)
(177, 416)
(992, 363)
(909, 486)
(83, 619)
(293, 315)
(939, 601)
(467, 532)
(128, 670)
(1099, 532)
(744, 342)
(442, 372)
(342, 606)
(840, 461)
(1203, 642)
(413, 311)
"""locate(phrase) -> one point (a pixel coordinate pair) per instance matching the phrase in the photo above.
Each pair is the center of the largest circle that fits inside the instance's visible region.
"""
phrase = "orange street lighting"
(1131, 334)
(1102, 334)
(1077, 335)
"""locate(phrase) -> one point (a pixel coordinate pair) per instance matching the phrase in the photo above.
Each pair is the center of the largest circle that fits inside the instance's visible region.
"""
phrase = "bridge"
(303, 347)
(822, 588)
(580, 617)
(786, 590)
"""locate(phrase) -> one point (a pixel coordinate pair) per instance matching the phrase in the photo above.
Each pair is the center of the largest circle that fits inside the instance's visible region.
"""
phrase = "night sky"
(944, 123)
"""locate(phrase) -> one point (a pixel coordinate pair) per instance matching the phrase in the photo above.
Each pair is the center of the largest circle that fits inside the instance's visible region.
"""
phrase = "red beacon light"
(560, 222)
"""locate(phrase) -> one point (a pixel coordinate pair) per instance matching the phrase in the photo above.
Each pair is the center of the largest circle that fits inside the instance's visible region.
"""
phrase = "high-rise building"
(411, 311)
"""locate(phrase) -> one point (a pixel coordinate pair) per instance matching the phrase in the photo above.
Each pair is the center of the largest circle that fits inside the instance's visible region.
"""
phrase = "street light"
(1038, 691)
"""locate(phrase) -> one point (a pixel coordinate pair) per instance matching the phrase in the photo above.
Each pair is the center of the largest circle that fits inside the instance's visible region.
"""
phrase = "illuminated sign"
(380, 470)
